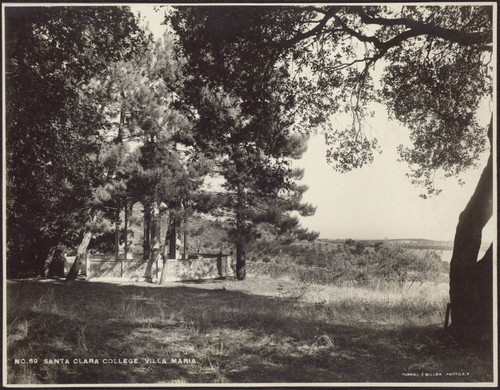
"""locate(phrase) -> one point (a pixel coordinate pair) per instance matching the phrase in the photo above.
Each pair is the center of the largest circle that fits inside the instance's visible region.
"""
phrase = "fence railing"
(202, 267)
(133, 269)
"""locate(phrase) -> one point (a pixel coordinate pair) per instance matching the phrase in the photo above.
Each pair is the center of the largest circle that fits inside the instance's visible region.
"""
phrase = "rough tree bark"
(146, 244)
(154, 251)
(125, 231)
(117, 233)
(240, 240)
(48, 261)
(54, 265)
(184, 230)
(172, 239)
(80, 255)
(170, 246)
(240, 260)
(471, 290)
(166, 243)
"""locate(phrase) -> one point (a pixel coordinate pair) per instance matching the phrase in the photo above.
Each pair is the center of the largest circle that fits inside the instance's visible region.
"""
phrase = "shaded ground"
(222, 334)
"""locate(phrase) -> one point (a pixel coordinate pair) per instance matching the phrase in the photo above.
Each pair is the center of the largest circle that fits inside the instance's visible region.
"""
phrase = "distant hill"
(412, 243)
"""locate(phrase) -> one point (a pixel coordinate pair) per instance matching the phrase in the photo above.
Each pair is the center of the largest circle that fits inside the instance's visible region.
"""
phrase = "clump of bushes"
(396, 264)
(389, 265)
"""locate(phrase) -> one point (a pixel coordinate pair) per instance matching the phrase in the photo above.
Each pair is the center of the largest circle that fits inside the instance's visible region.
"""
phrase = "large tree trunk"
(125, 232)
(54, 264)
(184, 229)
(172, 240)
(240, 240)
(155, 244)
(80, 255)
(240, 261)
(117, 233)
(45, 253)
(484, 296)
(170, 245)
(166, 245)
(471, 290)
(56, 267)
(146, 244)
(48, 261)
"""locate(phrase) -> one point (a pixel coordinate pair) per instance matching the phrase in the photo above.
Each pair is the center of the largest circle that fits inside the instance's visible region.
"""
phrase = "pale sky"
(377, 201)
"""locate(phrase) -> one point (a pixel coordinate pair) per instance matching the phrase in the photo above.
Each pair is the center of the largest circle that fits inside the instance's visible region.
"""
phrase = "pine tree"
(52, 129)
(253, 149)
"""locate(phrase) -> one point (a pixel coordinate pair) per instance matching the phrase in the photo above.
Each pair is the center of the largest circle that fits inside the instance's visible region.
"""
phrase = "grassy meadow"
(262, 330)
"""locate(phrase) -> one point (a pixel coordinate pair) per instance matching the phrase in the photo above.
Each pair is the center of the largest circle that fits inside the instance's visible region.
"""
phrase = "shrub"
(359, 248)
(392, 264)
(398, 264)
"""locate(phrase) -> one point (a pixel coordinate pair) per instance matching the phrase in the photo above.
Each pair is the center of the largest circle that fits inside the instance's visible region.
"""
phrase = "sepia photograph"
(236, 194)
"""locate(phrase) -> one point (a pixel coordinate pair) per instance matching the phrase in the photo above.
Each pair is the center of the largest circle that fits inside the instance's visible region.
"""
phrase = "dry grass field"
(262, 330)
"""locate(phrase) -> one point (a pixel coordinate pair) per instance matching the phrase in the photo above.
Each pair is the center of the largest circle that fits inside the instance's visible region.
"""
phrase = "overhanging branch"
(316, 30)
(421, 28)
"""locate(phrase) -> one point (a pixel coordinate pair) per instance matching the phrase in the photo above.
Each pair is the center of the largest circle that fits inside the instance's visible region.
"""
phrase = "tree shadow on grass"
(219, 336)
(218, 280)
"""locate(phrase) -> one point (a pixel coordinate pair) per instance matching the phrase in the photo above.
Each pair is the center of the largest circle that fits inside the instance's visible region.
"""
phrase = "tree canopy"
(100, 116)
(436, 69)
(52, 129)
(250, 139)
